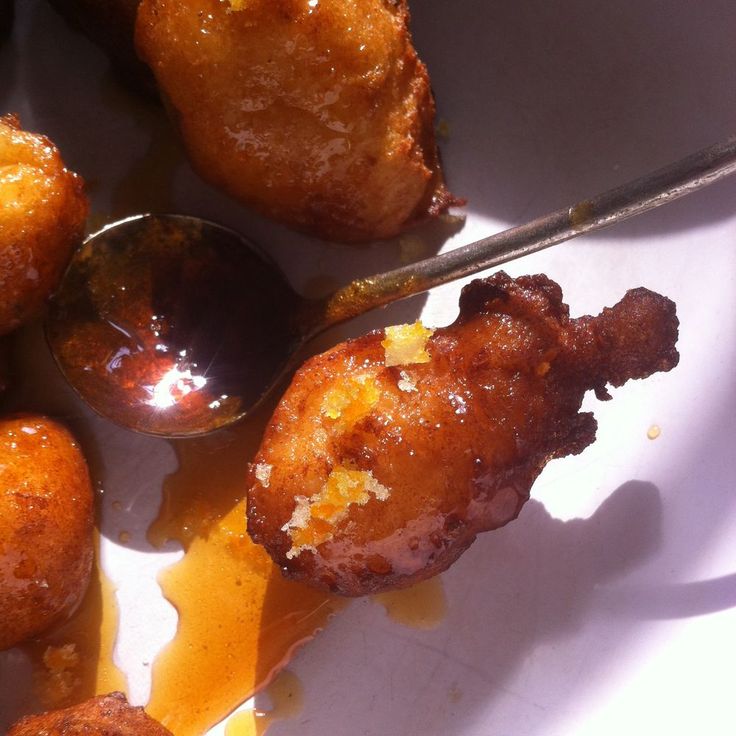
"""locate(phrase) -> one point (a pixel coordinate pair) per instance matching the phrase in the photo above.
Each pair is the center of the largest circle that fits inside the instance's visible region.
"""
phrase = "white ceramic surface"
(609, 607)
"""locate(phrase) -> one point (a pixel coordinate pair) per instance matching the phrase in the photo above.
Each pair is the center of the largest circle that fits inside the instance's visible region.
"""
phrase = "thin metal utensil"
(175, 326)
(659, 187)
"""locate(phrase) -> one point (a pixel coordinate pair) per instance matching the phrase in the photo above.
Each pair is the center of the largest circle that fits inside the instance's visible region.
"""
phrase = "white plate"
(609, 607)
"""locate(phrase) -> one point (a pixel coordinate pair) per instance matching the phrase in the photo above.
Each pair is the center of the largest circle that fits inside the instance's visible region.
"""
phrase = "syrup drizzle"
(287, 701)
(239, 619)
(423, 606)
(75, 660)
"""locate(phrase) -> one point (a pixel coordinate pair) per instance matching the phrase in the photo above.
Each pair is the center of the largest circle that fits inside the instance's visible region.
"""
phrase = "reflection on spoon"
(173, 326)
(170, 325)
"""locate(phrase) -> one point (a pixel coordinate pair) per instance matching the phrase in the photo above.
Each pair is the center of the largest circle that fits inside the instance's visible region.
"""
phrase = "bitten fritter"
(105, 715)
(319, 114)
(46, 515)
(389, 453)
(42, 215)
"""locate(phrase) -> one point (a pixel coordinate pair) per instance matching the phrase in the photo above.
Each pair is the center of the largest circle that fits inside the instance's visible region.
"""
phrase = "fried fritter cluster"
(317, 113)
(389, 453)
(105, 715)
(46, 516)
(42, 215)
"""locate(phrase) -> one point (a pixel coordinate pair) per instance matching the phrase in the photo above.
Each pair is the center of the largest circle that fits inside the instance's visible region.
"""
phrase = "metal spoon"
(174, 326)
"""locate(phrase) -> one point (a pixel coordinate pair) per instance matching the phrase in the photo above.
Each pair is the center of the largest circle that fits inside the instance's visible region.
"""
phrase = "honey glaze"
(423, 606)
(287, 701)
(239, 619)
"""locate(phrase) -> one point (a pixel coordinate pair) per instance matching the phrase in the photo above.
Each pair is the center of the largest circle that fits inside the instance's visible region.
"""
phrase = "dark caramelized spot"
(378, 564)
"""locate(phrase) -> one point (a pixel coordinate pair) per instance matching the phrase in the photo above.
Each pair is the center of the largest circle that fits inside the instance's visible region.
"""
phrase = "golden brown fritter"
(317, 112)
(105, 715)
(42, 214)
(373, 476)
(46, 544)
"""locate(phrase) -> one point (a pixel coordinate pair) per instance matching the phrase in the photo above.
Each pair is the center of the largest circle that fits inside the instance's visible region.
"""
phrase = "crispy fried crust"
(318, 114)
(46, 514)
(106, 715)
(456, 441)
(42, 214)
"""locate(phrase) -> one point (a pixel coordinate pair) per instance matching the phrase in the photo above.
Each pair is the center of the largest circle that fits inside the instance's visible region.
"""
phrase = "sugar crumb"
(406, 344)
(263, 474)
(351, 399)
(406, 382)
(313, 519)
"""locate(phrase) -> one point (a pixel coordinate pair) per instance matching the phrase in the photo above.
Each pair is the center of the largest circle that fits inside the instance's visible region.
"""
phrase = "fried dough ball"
(42, 214)
(46, 543)
(319, 114)
(105, 715)
(388, 454)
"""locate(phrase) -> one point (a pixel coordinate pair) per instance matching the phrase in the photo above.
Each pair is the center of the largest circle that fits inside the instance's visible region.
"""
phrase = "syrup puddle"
(423, 606)
(68, 664)
(239, 619)
(75, 661)
(287, 701)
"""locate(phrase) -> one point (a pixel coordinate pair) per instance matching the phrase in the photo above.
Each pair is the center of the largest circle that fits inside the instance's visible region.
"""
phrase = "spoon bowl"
(170, 325)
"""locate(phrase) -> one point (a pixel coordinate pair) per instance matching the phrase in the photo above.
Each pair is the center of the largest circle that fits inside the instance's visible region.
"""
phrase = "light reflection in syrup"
(171, 326)
(174, 385)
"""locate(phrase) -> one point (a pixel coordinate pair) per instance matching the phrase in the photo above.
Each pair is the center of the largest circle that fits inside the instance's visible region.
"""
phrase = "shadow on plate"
(540, 613)
(515, 592)
(8, 63)
(549, 103)
(683, 600)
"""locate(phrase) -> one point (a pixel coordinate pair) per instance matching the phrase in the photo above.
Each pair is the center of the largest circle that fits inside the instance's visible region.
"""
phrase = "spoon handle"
(652, 190)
